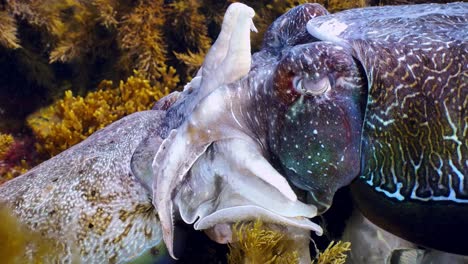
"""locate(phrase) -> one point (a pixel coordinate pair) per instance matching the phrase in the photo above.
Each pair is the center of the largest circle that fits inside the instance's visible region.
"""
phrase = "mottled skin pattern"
(87, 198)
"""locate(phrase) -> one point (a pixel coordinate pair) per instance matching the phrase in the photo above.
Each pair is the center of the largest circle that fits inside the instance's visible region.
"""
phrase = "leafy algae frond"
(107, 10)
(189, 19)
(258, 244)
(141, 38)
(335, 253)
(8, 31)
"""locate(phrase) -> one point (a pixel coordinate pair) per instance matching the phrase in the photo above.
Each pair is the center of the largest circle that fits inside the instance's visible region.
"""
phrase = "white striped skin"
(415, 134)
(414, 144)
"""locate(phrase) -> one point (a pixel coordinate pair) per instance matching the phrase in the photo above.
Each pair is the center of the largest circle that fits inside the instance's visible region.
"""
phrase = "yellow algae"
(8, 31)
(140, 36)
(18, 244)
(6, 141)
(335, 253)
(73, 118)
(255, 243)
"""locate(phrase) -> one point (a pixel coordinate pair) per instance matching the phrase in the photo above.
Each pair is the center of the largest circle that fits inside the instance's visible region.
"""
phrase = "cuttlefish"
(375, 98)
(198, 157)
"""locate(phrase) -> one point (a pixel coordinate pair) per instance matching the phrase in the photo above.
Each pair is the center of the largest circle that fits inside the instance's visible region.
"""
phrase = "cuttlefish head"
(216, 168)
(318, 91)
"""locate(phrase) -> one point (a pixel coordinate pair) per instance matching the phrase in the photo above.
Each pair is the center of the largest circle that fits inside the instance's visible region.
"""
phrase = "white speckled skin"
(87, 198)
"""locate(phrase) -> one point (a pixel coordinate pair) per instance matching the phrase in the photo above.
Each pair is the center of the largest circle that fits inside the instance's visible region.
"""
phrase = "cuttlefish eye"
(314, 69)
(310, 87)
(319, 90)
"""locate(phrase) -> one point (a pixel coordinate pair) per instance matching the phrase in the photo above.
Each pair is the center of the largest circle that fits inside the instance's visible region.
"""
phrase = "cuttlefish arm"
(228, 60)
(213, 120)
(224, 42)
(183, 146)
(227, 50)
(222, 190)
(227, 185)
